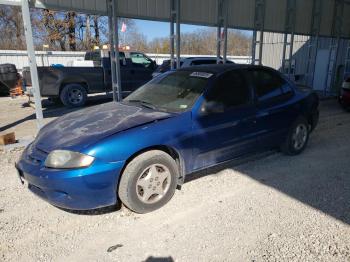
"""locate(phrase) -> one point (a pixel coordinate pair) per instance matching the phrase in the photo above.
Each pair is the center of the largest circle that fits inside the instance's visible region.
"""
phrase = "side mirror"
(212, 107)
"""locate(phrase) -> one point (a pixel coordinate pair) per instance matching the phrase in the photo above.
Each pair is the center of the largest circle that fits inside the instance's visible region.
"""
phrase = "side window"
(267, 84)
(139, 59)
(203, 62)
(231, 90)
(94, 56)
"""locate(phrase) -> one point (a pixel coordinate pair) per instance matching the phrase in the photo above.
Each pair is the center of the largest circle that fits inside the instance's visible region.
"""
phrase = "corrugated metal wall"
(273, 48)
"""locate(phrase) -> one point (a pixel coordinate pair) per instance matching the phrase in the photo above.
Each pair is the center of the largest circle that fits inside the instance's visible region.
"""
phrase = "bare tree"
(97, 30)
(71, 31)
(74, 31)
(11, 28)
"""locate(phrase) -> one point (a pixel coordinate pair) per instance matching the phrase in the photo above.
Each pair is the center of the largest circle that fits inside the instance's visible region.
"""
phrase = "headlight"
(67, 159)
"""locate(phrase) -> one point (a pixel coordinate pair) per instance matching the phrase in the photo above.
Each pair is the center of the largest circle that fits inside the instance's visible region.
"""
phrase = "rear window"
(267, 84)
(204, 62)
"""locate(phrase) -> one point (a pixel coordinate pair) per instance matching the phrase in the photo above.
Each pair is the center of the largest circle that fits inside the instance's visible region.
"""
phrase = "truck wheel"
(297, 137)
(148, 181)
(73, 95)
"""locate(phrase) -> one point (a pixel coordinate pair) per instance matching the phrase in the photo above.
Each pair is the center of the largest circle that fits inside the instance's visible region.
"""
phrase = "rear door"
(276, 109)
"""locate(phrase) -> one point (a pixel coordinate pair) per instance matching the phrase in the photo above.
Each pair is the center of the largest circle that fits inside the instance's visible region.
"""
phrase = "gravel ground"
(274, 208)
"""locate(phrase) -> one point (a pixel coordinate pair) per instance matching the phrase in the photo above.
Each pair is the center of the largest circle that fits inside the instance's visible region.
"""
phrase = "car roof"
(220, 68)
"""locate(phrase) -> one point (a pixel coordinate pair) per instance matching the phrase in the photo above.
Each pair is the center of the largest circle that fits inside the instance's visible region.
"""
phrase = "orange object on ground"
(17, 90)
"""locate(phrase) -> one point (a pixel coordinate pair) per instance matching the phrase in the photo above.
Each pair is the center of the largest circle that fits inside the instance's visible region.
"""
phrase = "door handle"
(262, 114)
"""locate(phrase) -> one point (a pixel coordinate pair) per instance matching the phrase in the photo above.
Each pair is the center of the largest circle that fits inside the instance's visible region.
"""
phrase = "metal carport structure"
(329, 18)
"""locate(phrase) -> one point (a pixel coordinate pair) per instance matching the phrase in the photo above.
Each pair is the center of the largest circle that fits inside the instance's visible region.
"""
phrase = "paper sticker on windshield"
(201, 74)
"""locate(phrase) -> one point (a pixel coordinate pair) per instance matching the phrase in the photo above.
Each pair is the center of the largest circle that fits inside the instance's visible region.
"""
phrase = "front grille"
(36, 190)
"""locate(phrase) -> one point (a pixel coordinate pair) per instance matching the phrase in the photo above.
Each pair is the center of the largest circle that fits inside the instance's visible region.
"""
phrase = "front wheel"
(148, 181)
(297, 137)
(73, 95)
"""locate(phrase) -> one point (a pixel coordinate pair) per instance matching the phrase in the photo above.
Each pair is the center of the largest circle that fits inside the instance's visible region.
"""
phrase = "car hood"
(82, 128)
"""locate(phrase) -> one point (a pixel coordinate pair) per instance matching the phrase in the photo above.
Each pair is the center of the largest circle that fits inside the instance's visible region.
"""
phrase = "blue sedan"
(138, 151)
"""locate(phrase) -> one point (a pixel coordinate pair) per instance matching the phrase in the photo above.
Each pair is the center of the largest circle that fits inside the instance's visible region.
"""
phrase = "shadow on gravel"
(94, 212)
(319, 177)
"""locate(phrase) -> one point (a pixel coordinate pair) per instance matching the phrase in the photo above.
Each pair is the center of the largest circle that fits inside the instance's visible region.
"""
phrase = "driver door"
(225, 126)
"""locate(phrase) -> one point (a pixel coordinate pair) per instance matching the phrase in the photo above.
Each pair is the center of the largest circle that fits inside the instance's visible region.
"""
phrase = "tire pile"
(8, 78)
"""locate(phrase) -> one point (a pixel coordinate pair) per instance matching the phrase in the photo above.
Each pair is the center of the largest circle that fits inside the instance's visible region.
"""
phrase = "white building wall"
(43, 58)
(47, 58)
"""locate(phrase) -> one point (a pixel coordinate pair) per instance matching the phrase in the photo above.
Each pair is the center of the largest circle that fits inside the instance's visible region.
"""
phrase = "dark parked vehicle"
(72, 84)
(186, 62)
(8, 78)
(183, 121)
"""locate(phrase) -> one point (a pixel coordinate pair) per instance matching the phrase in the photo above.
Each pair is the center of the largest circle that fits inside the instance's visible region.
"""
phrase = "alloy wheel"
(153, 183)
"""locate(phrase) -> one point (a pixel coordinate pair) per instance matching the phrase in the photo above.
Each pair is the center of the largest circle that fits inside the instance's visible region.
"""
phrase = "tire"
(294, 144)
(73, 95)
(139, 188)
(8, 68)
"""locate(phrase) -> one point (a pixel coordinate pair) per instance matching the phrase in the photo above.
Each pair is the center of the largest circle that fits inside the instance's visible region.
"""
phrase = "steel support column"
(337, 27)
(111, 50)
(32, 62)
(289, 37)
(313, 42)
(218, 31)
(221, 22)
(259, 20)
(117, 91)
(172, 33)
(347, 61)
(225, 36)
(218, 44)
(178, 35)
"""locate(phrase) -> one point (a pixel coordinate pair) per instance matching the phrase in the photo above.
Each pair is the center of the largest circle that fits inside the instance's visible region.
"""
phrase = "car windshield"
(174, 92)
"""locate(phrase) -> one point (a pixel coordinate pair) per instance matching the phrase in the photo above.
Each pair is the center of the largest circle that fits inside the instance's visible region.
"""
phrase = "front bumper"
(78, 189)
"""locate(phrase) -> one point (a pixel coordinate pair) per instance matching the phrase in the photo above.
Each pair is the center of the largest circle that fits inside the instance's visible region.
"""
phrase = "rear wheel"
(148, 181)
(73, 95)
(297, 137)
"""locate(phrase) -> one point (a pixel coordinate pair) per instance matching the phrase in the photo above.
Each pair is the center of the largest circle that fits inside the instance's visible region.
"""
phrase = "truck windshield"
(174, 92)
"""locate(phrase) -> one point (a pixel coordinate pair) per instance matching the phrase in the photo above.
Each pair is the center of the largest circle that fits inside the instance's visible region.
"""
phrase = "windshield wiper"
(143, 103)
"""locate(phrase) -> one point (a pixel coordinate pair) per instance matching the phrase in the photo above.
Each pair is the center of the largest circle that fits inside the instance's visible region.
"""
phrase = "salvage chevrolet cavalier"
(141, 149)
